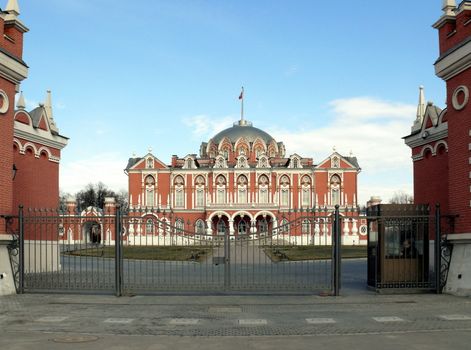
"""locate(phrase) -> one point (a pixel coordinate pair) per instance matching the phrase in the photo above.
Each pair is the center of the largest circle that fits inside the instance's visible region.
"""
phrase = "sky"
(165, 75)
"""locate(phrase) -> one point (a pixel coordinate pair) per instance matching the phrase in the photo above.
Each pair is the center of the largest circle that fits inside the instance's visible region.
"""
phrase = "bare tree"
(93, 195)
(401, 197)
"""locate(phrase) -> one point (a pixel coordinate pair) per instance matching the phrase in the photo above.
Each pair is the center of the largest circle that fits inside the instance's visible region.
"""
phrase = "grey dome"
(245, 130)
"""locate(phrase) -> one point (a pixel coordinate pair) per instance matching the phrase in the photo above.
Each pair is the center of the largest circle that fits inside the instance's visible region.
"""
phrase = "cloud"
(104, 167)
(291, 70)
(366, 108)
(204, 127)
(372, 129)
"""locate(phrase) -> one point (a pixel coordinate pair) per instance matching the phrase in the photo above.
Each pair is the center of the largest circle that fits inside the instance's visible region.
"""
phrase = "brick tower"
(12, 71)
(441, 141)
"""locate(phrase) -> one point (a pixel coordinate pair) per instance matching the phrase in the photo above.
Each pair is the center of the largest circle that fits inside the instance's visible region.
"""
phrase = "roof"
(353, 161)
(36, 115)
(132, 162)
(247, 131)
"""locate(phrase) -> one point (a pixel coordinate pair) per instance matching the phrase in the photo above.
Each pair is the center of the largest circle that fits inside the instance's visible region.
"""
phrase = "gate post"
(118, 252)
(227, 259)
(21, 253)
(438, 252)
(336, 245)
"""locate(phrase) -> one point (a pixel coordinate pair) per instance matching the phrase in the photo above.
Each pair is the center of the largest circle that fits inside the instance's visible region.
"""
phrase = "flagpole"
(242, 107)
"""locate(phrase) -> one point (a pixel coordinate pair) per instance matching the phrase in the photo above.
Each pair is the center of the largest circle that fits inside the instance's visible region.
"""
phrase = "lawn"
(173, 253)
(298, 253)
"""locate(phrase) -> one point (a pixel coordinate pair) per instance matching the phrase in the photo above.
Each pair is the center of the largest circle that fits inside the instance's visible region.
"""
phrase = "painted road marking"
(119, 320)
(184, 321)
(388, 319)
(320, 320)
(52, 319)
(252, 322)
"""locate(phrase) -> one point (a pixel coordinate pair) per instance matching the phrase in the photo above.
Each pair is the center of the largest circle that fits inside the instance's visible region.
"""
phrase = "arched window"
(149, 226)
(150, 194)
(306, 226)
(221, 189)
(335, 189)
(284, 227)
(221, 227)
(335, 162)
(263, 189)
(179, 192)
(199, 227)
(284, 191)
(179, 225)
(242, 189)
(262, 226)
(306, 191)
(242, 227)
(199, 192)
(149, 163)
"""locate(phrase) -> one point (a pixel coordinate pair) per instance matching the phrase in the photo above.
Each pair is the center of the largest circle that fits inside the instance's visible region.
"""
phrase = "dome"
(242, 129)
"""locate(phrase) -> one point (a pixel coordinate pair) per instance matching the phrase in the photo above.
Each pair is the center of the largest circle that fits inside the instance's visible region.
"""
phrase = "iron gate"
(142, 252)
(149, 252)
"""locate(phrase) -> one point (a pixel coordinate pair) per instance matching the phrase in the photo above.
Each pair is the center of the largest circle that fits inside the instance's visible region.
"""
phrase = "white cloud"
(372, 129)
(291, 70)
(204, 127)
(105, 167)
(361, 108)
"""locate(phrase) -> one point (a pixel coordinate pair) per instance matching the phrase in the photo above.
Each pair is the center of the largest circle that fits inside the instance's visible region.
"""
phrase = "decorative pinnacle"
(21, 101)
(421, 105)
(13, 7)
(150, 149)
(449, 7)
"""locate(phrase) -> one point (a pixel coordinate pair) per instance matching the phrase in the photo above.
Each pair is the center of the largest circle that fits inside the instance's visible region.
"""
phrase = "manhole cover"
(75, 339)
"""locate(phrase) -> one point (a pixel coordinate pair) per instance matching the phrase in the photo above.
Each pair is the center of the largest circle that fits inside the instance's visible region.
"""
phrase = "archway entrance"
(91, 232)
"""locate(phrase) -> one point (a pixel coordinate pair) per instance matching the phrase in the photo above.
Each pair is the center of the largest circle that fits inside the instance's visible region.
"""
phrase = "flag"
(241, 96)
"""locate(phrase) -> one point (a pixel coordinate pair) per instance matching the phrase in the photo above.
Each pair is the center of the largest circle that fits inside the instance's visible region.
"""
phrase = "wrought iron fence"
(142, 251)
(147, 251)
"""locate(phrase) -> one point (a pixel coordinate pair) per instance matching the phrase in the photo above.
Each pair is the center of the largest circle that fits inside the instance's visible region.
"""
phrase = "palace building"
(242, 182)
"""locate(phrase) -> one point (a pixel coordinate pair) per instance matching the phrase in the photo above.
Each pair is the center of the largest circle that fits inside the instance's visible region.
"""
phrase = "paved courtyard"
(354, 320)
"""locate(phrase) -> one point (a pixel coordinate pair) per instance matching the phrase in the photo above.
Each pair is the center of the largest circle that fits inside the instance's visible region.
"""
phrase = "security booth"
(398, 247)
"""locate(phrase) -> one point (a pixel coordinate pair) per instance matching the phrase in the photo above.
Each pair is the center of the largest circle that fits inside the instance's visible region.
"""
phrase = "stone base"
(7, 284)
(459, 274)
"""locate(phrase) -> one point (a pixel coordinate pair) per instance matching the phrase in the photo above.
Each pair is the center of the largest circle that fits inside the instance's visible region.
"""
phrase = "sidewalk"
(356, 321)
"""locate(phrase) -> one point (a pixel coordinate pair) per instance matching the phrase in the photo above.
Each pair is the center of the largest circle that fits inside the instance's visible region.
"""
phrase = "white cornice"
(11, 69)
(434, 134)
(443, 19)
(454, 63)
(26, 132)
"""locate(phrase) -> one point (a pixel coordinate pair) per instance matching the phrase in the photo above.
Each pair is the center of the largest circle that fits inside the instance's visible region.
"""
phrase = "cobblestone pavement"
(81, 319)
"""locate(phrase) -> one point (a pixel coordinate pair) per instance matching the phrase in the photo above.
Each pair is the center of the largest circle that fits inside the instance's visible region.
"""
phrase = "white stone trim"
(6, 102)
(27, 132)
(456, 105)
(11, 69)
(454, 63)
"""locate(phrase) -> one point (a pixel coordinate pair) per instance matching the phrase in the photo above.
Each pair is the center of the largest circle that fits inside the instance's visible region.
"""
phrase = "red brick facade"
(441, 139)
(30, 143)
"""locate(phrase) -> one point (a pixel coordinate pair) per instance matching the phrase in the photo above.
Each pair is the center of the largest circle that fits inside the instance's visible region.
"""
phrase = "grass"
(298, 253)
(172, 253)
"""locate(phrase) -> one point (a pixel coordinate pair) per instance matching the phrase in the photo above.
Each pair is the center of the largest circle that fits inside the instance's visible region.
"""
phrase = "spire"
(449, 7)
(21, 102)
(422, 105)
(48, 108)
(13, 8)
